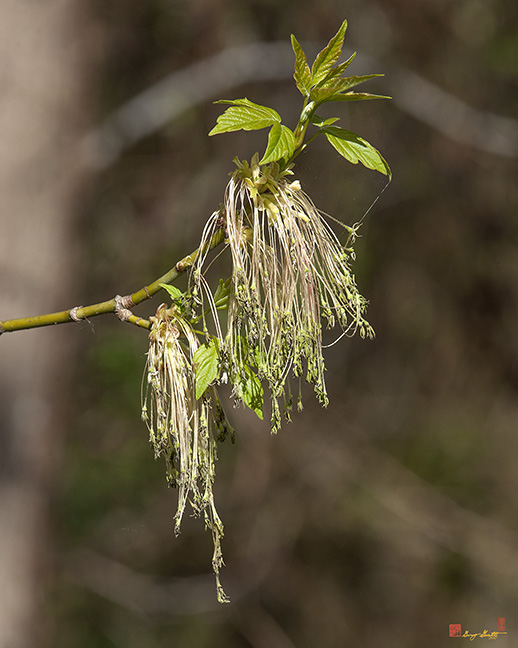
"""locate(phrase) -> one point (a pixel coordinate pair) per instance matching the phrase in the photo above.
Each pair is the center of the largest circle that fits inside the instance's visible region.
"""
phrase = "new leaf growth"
(324, 82)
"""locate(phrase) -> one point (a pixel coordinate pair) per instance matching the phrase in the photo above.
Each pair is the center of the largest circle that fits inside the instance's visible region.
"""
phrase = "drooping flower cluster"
(182, 429)
(289, 274)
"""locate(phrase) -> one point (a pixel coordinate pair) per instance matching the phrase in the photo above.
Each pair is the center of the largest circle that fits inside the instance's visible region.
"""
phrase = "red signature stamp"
(455, 630)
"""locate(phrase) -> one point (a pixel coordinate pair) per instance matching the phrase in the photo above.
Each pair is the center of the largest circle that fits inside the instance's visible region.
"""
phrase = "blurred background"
(376, 522)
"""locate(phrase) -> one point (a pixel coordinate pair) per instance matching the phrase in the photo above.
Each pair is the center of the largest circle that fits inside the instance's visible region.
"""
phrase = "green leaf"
(337, 72)
(342, 85)
(173, 291)
(222, 294)
(339, 86)
(326, 95)
(206, 360)
(244, 114)
(355, 149)
(320, 121)
(328, 56)
(281, 144)
(252, 390)
(302, 73)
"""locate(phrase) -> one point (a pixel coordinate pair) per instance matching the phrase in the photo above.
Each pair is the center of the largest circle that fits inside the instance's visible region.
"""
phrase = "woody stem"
(118, 305)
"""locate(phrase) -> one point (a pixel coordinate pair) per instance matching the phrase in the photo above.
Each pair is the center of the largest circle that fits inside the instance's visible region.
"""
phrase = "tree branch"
(118, 305)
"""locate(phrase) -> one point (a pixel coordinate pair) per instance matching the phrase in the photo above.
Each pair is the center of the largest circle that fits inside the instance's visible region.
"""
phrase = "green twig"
(118, 305)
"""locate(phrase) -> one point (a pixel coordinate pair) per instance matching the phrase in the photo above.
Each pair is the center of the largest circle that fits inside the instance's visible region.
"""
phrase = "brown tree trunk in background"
(42, 114)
